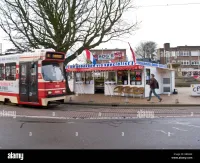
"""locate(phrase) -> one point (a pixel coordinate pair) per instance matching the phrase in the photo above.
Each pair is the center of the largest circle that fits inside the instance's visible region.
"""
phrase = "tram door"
(28, 82)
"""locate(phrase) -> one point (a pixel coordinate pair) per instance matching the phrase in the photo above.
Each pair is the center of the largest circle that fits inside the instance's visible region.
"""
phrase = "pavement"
(162, 133)
(183, 98)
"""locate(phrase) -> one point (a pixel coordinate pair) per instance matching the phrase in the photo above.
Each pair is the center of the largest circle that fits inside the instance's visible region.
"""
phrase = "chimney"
(167, 46)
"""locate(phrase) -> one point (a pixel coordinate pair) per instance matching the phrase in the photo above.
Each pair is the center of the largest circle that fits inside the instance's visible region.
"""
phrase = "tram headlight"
(64, 90)
(49, 92)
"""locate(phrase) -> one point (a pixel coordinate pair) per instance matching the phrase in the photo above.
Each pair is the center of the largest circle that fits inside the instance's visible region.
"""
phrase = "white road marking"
(179, 129)
(176, 122)
(193, 126)
(165, 132)
(162, 131)
(183, 123)
(188, 124)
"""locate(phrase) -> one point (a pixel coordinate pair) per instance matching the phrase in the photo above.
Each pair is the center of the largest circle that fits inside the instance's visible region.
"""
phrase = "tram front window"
(52, 72)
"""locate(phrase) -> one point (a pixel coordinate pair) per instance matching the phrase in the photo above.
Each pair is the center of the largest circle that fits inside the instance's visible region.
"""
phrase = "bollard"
(176, 101)
(91, 100)
(70, 99)
(169, 94)
(126, 100)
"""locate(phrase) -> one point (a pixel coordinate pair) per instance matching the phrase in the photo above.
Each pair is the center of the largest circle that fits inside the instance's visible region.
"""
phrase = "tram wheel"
(6, 101)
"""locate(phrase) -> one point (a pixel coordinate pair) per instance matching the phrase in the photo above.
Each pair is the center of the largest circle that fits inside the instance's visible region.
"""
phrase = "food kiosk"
(122, 74)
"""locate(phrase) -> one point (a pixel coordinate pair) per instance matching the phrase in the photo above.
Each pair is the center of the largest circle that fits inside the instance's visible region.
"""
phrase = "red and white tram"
(32, 78)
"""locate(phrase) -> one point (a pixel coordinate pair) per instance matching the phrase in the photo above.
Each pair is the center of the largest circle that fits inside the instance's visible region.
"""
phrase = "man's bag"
(156, 84)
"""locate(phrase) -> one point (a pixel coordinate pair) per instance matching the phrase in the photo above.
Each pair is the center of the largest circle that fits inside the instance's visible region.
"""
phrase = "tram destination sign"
(53, 55)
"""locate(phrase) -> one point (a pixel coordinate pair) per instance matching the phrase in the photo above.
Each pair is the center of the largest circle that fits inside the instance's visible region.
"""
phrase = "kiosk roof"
(112, 66)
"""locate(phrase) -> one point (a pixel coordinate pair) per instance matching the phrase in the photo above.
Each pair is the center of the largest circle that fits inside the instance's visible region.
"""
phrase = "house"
(187, 56)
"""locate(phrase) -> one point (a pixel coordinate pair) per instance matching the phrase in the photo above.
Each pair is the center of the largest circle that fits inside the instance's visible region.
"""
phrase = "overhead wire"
(166, 5)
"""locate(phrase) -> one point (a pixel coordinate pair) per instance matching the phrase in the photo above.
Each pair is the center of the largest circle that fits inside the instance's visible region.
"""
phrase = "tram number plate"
(57, 91)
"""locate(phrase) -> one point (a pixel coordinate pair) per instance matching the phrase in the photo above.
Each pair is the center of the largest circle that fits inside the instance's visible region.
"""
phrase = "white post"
(198, 58)
(102, 54)
(164, 57)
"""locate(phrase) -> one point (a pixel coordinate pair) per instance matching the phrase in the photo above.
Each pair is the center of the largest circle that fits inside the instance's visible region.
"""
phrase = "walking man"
(153, 85)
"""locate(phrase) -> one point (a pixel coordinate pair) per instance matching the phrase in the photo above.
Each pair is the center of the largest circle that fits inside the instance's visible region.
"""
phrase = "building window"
(185, 62)
(88, 78)
(184, 53)
(80, 77)
(135, 77)
(122, 77)
(1, 71)
(10, 71)
(110, 76)
(161, 54)
(194, 62)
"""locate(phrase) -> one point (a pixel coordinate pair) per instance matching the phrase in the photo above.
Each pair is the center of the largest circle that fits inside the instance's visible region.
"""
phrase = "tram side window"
(10, 71)
(1, 71)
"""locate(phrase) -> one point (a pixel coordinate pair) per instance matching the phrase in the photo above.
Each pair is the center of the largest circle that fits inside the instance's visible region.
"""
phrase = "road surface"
(46, 133)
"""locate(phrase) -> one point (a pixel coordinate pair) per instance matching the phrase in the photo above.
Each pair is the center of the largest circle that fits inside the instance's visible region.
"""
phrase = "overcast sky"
(177, 24)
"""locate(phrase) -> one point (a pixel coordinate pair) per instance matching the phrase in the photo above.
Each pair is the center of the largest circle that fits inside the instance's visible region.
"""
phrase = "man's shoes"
(148, 100)
(160, 100)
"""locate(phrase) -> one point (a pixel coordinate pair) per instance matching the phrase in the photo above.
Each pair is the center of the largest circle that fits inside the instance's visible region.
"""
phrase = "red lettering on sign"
(118, 55)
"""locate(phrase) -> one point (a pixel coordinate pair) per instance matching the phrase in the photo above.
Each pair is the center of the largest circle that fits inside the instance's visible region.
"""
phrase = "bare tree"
(146, 49)
(64, 24)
